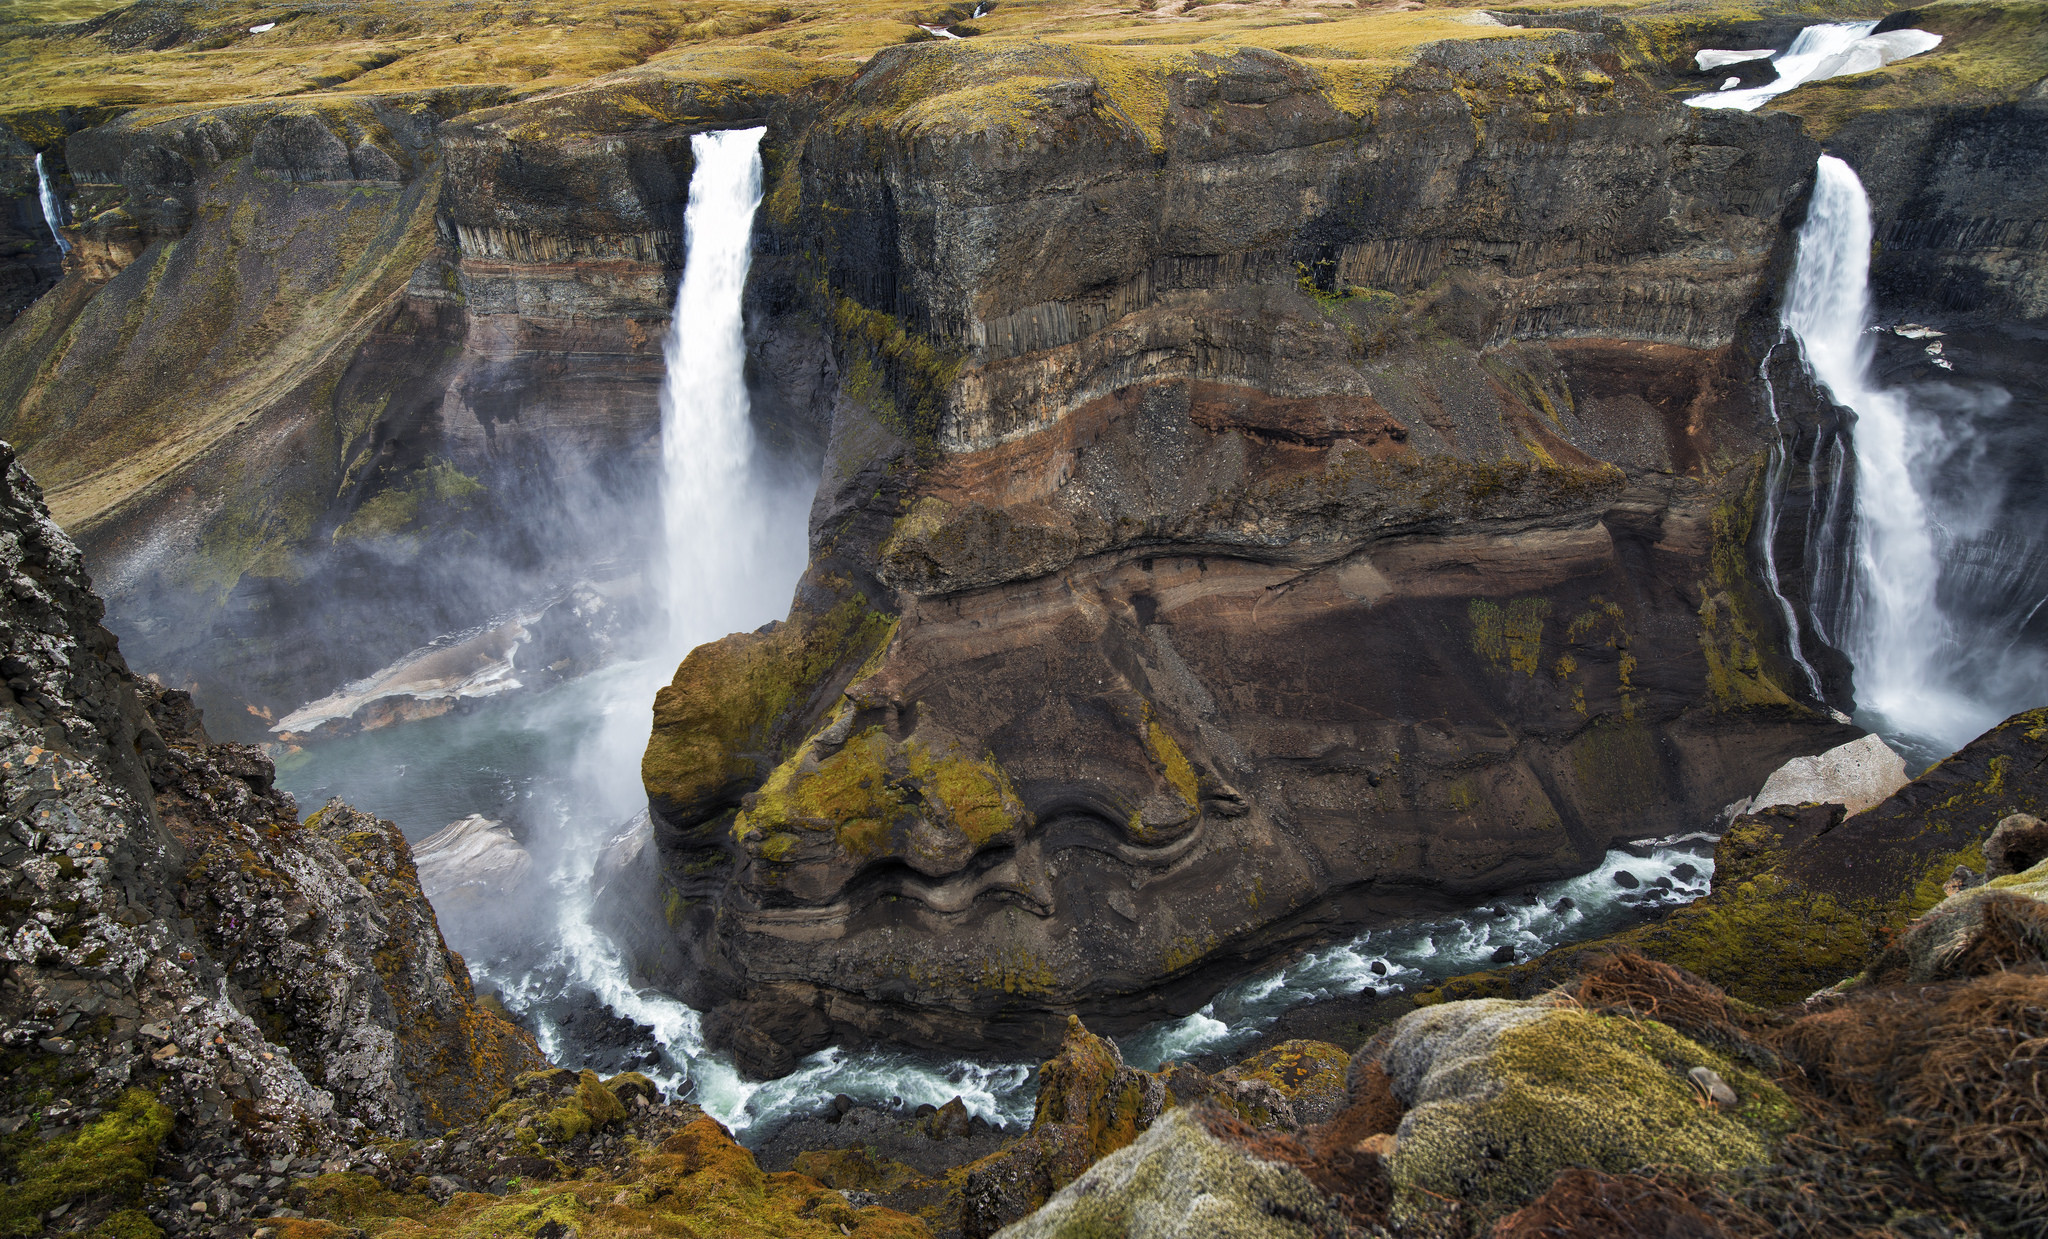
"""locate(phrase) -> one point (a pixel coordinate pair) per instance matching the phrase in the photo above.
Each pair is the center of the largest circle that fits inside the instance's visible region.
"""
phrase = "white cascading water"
(731, 559)
(53, 208)
(734, 544)
(1918, 669)
(1774, 485)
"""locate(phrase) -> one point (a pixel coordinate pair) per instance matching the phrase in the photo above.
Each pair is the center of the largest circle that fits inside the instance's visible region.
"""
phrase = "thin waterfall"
(1774, 486)
(1939, 592)
(53, 207)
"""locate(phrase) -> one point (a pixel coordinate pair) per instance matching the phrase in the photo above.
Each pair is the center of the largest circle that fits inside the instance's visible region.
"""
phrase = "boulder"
(1180, 1182)
(1859, 774)
(1501, 1095)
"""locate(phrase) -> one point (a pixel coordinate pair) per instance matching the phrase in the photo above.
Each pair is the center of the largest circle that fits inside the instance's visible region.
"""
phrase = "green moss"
(1574, 1089)
(975, 796)
(437, 490)
(900, 375)
(850, 794)
(1741, 670)
(1764, 940)
(1172, 763)
(731, 697)
(858, 1169)
(1513, 634)
(107, 1163)
(871, 786)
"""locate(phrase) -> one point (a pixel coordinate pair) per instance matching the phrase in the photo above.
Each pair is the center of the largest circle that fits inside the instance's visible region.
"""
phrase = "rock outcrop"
(1857, 775)
(176, 941)
(1307, 537)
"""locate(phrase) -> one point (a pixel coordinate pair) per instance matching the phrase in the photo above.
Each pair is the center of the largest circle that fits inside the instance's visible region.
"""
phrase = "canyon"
(1275, 471)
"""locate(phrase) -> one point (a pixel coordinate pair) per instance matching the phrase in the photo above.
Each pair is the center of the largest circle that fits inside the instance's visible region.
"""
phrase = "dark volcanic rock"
(171, 927)
(1316, 533)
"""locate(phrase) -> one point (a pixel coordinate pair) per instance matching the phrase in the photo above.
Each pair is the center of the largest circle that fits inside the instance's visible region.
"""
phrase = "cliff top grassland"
(88, 55)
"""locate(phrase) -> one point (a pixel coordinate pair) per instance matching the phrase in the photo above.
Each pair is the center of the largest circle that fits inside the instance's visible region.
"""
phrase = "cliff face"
(1303, 511)
(329, 379)
(1296, 473)
(171, 926)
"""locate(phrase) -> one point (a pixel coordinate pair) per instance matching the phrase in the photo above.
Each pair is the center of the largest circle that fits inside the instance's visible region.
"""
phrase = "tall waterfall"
(735, 536)
(53, 207)
(1942, 589)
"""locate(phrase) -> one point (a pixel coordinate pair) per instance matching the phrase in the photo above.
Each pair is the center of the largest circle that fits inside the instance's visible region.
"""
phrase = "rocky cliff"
(1282, 469)
(178, 948)
(1304, 509)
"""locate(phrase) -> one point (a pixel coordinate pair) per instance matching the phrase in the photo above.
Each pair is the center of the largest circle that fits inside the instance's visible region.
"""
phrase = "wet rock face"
(1283, 532)
(172, 927)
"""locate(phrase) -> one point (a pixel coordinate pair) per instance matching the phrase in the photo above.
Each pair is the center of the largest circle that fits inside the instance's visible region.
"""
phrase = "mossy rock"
(857, 1169)
(719, 725)
(698, 1182)
(1179, 1182)
(1503, 1095)
(100, 1170)
(1292, 1084)
(628, 1085)
(875, 795)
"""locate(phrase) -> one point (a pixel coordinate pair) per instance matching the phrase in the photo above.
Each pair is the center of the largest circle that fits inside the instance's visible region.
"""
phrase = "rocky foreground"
(221, 1021)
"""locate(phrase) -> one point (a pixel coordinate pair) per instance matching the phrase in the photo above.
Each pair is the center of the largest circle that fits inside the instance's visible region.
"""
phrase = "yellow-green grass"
(391, 46)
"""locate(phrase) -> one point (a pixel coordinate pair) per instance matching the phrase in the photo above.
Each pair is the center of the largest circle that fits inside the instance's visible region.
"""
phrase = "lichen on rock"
(1502, 1095)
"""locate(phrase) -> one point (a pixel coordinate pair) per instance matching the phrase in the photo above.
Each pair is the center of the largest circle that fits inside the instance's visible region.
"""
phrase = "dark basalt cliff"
(170, 925)
(1298, 517)
(1264, 491)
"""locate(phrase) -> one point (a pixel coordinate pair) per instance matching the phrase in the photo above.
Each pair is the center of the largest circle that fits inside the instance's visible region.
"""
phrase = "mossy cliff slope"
(1805, 898)
(180, 950)
(1637, 1099)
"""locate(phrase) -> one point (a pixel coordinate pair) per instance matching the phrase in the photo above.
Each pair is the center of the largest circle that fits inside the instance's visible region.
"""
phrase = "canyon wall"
(1264, 493)
(1251, 512)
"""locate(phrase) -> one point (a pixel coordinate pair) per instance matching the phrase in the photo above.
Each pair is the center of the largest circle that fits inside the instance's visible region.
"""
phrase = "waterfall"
(735, 537)
(1774, 485)
(53, 207)
(1942, 589)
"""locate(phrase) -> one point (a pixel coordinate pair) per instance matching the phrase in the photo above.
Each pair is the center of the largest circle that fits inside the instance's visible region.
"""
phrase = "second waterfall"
(1945, 578)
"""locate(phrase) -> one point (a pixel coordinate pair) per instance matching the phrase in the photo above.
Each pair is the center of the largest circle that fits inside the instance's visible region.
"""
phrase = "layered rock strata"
(1296, 514)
